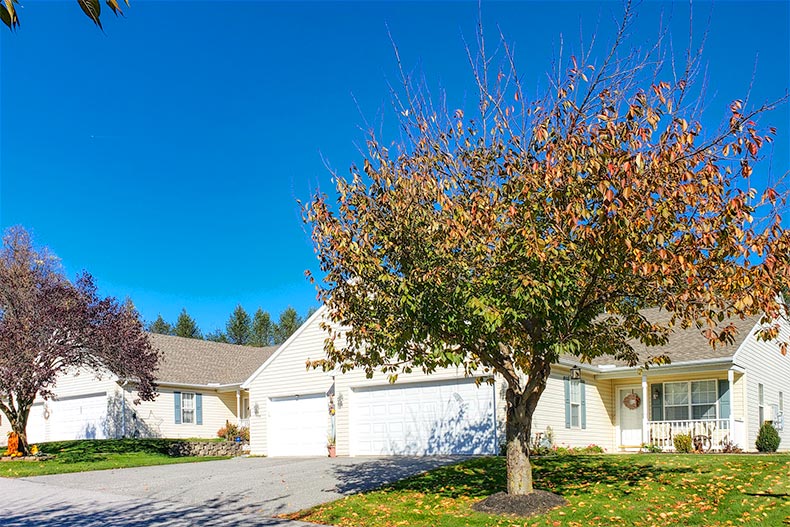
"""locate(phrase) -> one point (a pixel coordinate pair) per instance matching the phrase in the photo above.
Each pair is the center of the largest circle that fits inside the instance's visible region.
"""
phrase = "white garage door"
(298, 425)
(68, 418)
(454, 417)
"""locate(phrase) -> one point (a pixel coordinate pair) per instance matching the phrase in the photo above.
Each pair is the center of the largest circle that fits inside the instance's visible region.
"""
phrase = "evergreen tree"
(262, 329)
(160, 326)
(186, 326)
(288, 324)
(238, 329)
(217, 336)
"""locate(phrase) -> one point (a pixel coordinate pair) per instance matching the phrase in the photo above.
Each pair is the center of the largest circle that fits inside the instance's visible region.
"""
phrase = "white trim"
(201, 387)
(619, 404)
(194, 408)
(319, 312)
(748, 336)
(690, 406)
(693, 366)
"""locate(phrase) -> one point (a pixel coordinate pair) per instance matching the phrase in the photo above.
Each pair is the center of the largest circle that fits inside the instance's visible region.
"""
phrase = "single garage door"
(68, 418)
(298, 425)
(453, 417)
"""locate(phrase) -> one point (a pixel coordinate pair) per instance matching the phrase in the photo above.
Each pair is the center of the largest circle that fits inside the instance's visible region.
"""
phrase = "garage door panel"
(298, 425)
(453, 417)
(67, 419)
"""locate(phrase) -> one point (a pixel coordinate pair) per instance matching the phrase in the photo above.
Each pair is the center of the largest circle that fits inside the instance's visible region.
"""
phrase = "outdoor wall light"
(576, 372)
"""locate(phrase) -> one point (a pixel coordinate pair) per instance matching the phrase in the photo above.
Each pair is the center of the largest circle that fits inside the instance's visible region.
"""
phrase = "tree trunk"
(17, 418)
(19, 426)
(518, 430)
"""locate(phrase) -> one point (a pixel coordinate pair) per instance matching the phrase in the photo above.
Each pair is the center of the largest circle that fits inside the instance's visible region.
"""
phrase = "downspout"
(645, 416)
(731, 381)
(123, 408)
(238, 407)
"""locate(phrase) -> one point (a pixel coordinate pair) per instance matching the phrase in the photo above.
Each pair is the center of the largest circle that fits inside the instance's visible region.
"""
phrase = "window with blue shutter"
(583, 403)
(575, 403)
(199, 408)
(724, 399)
(657, 402)
(177, 407)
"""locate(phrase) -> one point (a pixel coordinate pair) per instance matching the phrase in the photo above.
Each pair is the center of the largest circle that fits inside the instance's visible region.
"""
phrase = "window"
(576, 403)
(761, 404)
(187, 408)
(690, 400)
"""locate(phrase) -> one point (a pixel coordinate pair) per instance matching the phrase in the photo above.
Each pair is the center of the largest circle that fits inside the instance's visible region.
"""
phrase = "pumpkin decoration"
(13, 444)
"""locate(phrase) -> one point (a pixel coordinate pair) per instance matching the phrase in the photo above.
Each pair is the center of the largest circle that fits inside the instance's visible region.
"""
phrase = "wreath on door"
(632, 401)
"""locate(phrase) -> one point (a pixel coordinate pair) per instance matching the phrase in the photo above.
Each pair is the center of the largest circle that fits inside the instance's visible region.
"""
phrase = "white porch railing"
(661, 433)
(244, 423)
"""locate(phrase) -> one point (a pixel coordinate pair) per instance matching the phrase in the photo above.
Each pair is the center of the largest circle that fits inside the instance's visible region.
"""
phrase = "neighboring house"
(199, 387)
(725, 392)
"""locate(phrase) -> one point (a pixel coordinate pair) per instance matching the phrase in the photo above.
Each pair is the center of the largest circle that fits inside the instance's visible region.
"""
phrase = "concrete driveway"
(241, 491)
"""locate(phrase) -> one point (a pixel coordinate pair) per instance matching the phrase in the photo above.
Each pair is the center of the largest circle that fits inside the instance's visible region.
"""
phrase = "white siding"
(287, 375)
(158, 416)
(764, 364)
(599, 408)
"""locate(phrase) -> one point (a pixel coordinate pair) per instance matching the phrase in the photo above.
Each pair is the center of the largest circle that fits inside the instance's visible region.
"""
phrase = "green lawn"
(640, 489)
(80, 456)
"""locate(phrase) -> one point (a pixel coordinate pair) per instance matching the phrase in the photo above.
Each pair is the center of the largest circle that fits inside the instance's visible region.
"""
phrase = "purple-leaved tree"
(49, 325)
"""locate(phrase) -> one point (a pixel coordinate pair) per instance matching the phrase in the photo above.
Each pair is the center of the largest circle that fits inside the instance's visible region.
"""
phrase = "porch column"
(645, 415)
(238, 407)
(731, 381)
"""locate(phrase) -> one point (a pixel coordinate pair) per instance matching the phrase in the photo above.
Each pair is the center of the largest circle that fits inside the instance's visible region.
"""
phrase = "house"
(724, 393)
(199, 387)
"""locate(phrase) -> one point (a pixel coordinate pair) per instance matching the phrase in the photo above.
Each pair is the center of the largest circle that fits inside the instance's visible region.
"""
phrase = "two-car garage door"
(452, 417)
(68, 418)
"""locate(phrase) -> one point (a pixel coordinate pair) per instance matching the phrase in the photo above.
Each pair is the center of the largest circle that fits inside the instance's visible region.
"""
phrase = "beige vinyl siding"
(81, 382)
(285, 376)
(5, 427)
(159, 415)
(765, 365)
(346, 383)
(599, 410)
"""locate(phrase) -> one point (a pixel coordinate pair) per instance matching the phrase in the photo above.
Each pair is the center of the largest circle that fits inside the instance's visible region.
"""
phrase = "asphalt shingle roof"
(202, 362)
(684, 344)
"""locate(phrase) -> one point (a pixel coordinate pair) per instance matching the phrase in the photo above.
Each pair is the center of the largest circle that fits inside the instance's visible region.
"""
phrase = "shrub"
(728, 447)
(230, 432)
(767, 439)
(682, 443)
(650, 448)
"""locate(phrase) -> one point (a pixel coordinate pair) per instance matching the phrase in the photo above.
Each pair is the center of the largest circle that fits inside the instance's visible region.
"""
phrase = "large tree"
(238, 329)
(262, 329)
(160, 326)
(287, 324)
(186, 326)
(50, 326)
(532, 229)
(91, 8)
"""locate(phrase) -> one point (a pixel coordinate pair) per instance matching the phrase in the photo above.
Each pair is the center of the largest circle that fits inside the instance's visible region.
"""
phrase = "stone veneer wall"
(205, 449)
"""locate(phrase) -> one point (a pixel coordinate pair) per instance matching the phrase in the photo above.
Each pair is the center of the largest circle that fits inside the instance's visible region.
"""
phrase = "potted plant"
(330, 446)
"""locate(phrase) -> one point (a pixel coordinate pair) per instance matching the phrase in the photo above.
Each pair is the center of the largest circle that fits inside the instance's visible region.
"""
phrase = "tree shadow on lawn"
(85, 447)
(481, 477)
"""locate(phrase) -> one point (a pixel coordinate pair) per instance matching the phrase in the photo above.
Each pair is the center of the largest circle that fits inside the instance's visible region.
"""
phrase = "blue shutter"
(724, 399)
(582, 390)
(567, 383)
(657, 403)
(177, 407)
(199, 408)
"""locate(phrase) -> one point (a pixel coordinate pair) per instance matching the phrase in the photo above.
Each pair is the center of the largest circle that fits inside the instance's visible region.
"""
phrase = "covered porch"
(655, 405)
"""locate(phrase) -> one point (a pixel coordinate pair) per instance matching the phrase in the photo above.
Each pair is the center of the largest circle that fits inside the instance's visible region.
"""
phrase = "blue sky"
(166, 155)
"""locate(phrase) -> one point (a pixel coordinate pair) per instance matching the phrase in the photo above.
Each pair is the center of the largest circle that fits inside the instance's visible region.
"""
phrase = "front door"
(630, 410)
